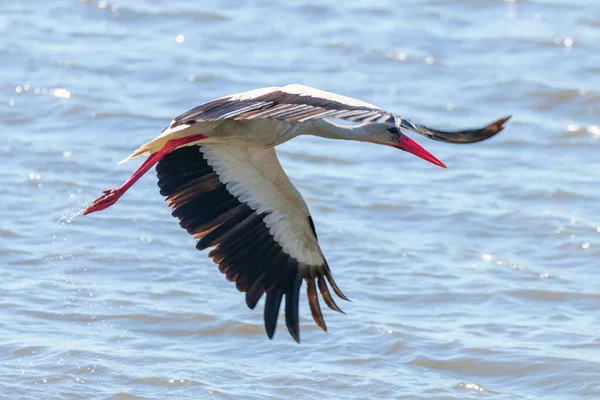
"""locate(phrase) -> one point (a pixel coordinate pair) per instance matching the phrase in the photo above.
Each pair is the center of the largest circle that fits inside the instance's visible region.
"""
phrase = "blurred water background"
(480, 281)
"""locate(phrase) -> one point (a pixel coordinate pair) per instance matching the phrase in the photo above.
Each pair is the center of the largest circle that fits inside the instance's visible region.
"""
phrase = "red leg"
(111, 196)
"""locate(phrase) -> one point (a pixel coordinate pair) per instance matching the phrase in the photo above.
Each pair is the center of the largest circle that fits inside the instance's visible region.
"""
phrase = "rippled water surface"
(479, 281)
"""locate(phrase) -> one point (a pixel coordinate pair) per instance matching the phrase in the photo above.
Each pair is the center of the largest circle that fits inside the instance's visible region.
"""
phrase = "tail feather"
(137, 153)
(145, 149)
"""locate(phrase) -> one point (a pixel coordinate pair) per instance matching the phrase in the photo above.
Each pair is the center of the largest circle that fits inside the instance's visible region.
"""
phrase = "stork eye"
(394, 130)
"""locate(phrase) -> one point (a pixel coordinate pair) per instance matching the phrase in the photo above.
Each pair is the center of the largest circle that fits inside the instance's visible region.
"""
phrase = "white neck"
(323, 128)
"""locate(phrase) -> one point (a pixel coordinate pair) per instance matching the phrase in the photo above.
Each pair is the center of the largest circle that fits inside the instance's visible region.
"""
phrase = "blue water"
(479, 281)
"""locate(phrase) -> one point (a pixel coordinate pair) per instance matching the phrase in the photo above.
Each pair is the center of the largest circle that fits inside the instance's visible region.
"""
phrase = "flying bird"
(218, 169)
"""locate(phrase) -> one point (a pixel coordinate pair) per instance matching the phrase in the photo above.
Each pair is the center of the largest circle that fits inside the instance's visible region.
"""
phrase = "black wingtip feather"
(327, 296)
(254, 294)
(335, 287)
(291, 306)
(313, 302)
(272, 305)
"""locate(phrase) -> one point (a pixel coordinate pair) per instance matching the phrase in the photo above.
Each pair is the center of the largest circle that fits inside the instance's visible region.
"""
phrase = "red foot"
(109, 198)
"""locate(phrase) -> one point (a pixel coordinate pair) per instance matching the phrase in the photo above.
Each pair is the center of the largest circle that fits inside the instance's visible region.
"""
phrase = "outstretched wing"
(290, 103)
(239, 201)
(301, 103)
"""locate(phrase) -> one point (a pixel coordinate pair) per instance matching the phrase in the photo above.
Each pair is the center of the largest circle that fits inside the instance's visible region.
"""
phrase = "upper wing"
(290, 103)
(239, 201)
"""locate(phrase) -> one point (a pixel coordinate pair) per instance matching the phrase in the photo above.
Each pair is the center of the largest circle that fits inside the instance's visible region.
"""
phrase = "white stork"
(218, 169)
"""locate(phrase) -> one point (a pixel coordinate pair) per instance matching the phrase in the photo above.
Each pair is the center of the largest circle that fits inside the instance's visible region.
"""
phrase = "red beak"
(407, 144)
